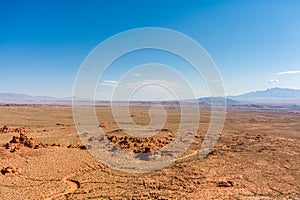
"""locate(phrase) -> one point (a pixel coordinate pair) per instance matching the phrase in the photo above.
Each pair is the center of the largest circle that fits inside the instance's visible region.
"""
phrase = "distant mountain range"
(218, 100)
(277, 93)
(18, 96)
(272, 95)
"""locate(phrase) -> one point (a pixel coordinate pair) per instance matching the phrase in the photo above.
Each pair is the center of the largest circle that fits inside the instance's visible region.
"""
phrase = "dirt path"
(72, 184)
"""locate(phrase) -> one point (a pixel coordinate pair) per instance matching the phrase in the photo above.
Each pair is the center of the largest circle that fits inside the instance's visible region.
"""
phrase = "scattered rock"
(7, 129)
(77, 146)
(144, 156)
(102, 125)
(113, 139)
(9, 169)
(59, 124)
(224, 184)
(85, 134)
(102, 138)
(115, 131)
(56, 145)
(165, 130)
(259, 137)
(93, 138)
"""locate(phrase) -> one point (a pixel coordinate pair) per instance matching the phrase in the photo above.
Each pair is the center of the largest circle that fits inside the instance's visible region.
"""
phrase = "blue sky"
(255, 44)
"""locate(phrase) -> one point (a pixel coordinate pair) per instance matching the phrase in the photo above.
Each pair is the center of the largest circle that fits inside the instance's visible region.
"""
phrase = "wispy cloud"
(109, 83)
(274, 81)
(288, 72)
(137, 75)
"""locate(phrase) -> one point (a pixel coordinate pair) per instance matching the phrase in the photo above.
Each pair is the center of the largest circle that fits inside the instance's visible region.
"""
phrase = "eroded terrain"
(42, 157)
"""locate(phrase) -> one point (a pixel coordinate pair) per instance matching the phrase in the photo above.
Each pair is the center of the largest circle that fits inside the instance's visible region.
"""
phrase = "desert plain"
(42, 157)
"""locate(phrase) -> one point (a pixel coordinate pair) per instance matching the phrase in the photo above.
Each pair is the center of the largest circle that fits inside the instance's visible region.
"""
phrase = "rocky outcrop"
(8, 129)
(23, 141)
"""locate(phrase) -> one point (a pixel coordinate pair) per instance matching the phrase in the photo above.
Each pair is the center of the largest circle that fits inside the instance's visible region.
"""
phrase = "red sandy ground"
(257, 157)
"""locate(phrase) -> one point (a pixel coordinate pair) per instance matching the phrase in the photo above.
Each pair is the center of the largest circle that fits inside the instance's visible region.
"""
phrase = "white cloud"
(109, 83)
(288, 72)
(274, 81)
(137, 75)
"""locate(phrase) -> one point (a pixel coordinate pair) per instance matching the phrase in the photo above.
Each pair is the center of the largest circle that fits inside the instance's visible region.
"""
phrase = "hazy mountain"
(273, 93)
(218, 100)
(17, 96)
(277, 95)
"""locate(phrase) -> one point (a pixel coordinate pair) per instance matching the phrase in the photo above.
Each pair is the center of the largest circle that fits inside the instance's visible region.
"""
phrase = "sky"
(254, 44)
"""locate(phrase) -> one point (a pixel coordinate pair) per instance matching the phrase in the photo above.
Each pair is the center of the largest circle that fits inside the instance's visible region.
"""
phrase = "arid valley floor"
(42, 157)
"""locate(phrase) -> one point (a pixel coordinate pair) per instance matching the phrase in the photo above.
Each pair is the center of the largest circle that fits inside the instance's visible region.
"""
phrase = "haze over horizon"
(255, 44)
(269, 95)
